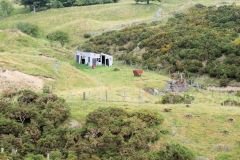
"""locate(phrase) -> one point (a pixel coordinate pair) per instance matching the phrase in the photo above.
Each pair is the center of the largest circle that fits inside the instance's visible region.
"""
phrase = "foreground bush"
(32, 123)
(28, 28)
(112, 133)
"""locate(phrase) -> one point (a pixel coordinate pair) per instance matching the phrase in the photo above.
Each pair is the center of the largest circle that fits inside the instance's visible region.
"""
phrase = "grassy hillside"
(207, 131)
(97, 18)
(79, 20)
(200, 40)
(37, 57)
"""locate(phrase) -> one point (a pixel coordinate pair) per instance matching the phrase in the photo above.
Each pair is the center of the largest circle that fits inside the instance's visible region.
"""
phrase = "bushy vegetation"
(28, 28)
(238, 94)
(59, 36)
(113, 133)
(230, 102)
(35, 125)
(203, 40)
(175, 152)
(175, 99)
(87, 35)
(38, 5)
(6, 8)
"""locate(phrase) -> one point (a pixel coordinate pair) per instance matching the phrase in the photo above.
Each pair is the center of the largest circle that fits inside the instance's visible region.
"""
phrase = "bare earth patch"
(15, 80)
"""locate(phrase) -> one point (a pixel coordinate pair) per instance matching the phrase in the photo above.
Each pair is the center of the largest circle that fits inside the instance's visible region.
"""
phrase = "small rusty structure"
(137, 73)
(94, 66)
(178, 86)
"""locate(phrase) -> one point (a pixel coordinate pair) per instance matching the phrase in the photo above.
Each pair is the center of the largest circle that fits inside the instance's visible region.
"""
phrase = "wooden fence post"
(106, 95)
(84, 96)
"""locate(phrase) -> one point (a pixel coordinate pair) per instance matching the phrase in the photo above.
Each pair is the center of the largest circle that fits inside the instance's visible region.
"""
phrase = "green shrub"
(87, 35)
(175, 152)
(238, 94)
(116, 69)
(57, 4)
(172, 99)
(59, 36)
(46, 89)
(117, 131)
(6, 8)
(32, 122)
(31, 156)
(28, 28)
(230, 103)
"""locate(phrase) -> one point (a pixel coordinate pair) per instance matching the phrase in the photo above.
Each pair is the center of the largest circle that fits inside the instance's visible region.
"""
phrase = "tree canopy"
(6, 7)
(59, 36)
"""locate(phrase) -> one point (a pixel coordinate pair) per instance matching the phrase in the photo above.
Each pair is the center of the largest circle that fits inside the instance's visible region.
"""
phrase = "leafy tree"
(59, 36)
(6, 7)
(57, 4)
(148, 1)
(67, 3)
(35, 4)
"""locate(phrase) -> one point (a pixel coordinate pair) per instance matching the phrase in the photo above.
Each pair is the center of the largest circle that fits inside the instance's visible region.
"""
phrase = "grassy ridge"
(80, 20)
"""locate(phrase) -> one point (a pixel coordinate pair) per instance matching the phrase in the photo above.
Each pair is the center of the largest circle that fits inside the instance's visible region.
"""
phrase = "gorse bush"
(37, 124)
(118, 134)
(202, 40)
(28, 28)
(175, 99)
(175, 152)
(87, 35)
(31, 123)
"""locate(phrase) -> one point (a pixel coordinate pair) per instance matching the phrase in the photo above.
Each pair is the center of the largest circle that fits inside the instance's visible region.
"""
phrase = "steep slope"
(200, 40)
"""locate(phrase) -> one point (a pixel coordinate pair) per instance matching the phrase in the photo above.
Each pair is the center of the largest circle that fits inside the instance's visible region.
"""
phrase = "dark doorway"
(107, 62)
(88, 59)
(83, 60)
(94, 61)
(103, 60)
(77, 58)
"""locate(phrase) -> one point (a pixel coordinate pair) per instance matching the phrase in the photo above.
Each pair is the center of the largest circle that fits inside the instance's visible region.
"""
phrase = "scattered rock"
(222, 148)
(189, 116)
(225, 132)
(173, 132)
(167, 110)
(231, 120)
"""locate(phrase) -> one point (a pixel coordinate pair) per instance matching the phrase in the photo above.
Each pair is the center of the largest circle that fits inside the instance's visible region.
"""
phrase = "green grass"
(21, 52)
(79, 20)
